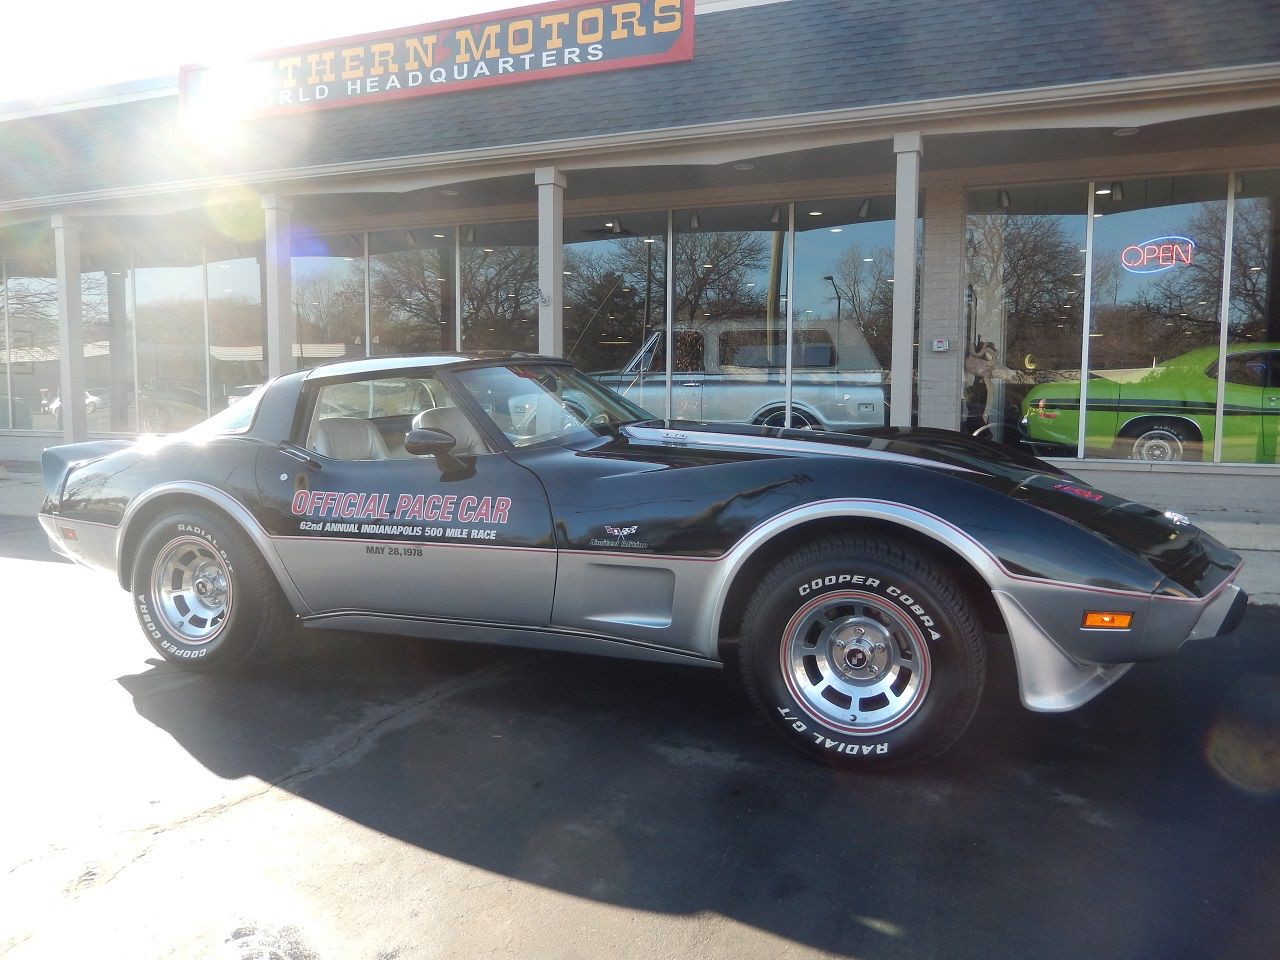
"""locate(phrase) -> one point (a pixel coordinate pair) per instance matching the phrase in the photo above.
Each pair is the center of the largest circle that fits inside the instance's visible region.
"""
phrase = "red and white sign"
(1158, 254)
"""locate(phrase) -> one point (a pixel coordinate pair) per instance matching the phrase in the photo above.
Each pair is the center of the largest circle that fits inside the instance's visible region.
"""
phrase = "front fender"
(1059, 666)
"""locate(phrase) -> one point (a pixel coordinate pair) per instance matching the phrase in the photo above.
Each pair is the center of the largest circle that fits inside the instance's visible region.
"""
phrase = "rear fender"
(56, 463)
(143, 509)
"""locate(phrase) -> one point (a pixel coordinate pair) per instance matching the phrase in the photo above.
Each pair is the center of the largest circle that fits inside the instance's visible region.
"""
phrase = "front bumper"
(1061, 669)
(1222, 616)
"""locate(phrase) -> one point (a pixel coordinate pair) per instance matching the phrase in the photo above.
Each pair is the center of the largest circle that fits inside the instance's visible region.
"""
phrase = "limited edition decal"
(620, 537)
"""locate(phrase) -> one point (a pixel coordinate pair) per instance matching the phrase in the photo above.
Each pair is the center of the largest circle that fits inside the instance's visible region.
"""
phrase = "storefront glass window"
(31, 301)
(328, 297)
(731, 285)
(1251, 414)
(6, 390)
(843, 311)
(237, 323)
(411, 291)
(615, 302)
(1024, 300)
(110, 387)
(500, 286)
(168, 311)
(1153, 335)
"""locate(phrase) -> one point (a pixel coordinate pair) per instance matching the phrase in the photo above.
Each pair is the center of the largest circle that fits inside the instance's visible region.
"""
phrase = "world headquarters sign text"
(517, 46)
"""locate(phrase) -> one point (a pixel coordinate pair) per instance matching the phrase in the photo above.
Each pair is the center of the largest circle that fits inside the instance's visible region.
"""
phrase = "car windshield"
(532, 403)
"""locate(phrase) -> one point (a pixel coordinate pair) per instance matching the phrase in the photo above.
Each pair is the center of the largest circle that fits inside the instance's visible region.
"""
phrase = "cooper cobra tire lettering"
(204, 597)
(863, 652)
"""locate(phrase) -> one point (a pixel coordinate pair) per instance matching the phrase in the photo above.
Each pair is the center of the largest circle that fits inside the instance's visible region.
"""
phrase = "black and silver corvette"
(856, 580)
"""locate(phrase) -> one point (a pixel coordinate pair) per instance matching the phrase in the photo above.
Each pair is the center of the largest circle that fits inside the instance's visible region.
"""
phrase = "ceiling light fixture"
(695, 222)
(1003, 199)
(1124, 131)
(744, 166)
(775, 215)
(864, 209)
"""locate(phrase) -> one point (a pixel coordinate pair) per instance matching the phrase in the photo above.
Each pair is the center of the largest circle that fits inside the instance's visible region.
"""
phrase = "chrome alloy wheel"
(1158, 445)
(192, 589)
(799, 420)
(855, 662)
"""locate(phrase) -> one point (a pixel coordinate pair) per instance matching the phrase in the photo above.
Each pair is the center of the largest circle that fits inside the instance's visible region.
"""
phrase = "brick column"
(941, 306)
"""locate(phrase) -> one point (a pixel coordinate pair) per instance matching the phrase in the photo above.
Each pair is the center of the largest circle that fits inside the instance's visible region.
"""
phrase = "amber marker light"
(1107, 620)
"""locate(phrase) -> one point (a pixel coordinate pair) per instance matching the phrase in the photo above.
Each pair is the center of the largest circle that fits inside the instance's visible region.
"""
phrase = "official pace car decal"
(405, 515)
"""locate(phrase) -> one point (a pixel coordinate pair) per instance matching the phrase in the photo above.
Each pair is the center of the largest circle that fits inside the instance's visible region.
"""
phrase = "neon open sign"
(1157, 254)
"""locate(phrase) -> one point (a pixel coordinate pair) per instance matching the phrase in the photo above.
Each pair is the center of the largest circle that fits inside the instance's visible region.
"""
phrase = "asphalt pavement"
(374, 797)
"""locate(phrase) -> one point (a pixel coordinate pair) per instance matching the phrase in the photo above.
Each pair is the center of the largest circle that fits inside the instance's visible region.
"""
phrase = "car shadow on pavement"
(1112, 831)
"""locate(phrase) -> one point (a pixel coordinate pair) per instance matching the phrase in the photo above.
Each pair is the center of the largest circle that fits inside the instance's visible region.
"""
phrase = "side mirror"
(423, 441)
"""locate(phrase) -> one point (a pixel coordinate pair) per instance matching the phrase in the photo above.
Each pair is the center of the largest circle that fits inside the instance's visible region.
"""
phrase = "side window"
(762, 347)
(751, 348)
(1247, 369)
(367, 419)
(690, 356)
(813, 348)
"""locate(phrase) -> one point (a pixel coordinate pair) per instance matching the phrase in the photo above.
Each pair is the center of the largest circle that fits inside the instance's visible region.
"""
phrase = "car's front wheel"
(203, 594)
(863, 653)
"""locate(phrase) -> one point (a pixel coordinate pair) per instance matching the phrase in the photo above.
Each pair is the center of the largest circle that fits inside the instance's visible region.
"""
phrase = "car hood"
(1191, 561)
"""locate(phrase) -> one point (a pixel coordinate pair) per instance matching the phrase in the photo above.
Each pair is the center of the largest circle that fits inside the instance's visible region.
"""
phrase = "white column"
(907, 147)
(66, 245)
(551, 185)
(279, 286)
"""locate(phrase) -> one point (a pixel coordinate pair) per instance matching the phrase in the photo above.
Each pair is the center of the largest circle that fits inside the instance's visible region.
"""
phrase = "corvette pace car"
(855, 580)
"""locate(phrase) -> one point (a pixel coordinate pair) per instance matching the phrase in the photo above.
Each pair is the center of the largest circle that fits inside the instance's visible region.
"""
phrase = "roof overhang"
(1133, 102)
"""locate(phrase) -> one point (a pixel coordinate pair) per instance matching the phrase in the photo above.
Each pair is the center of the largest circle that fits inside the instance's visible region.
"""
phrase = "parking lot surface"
(375, 797)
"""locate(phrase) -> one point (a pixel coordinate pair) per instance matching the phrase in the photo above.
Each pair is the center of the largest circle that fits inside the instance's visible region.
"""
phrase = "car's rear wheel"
(863, 653)
(203, 594)
(1164, 441)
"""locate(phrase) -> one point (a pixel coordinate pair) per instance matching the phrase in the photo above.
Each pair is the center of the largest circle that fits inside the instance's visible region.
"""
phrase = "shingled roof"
(773, 60)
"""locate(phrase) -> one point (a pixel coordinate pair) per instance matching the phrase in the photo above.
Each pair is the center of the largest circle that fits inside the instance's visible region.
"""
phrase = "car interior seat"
(348, 438)
(455, 423)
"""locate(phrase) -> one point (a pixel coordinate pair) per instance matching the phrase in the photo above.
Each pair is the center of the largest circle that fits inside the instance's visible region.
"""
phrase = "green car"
(1166, 412)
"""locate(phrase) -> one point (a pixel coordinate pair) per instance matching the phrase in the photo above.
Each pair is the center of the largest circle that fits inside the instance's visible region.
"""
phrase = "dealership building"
(1029, 223)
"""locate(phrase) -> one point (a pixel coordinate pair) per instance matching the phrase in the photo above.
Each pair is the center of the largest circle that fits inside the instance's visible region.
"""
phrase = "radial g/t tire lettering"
(863, 653)
(204, 596)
